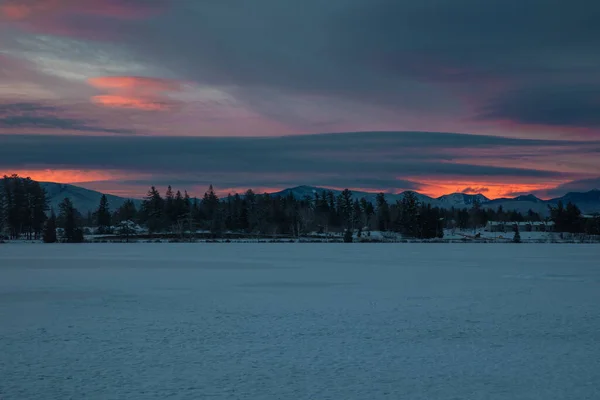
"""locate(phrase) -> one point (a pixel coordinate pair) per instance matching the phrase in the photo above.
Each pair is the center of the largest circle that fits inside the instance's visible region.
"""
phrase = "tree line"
(323, 212)
(24, 212)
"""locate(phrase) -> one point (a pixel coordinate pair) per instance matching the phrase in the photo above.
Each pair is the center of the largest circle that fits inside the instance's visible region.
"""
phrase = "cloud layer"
(518, 69)
(373, 160)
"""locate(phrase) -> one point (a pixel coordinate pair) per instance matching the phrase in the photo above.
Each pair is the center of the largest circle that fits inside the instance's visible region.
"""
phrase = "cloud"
(435, 58)
(116, 101)
(142, 93)
(26, 115)
(55, 123)
(550, 105)
(17, 10)
(137, 83)
(358, 65)
(474, 190)
(24, 107)
(385, 160)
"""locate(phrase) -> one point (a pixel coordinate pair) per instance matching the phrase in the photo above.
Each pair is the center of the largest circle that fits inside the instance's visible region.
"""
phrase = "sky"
(500, 97)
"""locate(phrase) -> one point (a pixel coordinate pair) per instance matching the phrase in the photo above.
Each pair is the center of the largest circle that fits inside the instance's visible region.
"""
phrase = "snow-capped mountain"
(83, 199)
(588, 202)
(460, 200)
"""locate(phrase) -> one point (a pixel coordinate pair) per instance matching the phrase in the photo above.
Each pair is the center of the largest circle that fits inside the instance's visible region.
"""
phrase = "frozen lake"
(299, 321)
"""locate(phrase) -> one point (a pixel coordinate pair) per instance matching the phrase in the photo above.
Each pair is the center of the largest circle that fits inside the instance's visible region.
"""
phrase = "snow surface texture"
(299, 321)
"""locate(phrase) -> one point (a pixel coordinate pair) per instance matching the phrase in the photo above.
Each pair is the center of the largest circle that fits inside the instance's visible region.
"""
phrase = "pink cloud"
(138, 103)
(141, 93)
(135, 83)
(19, 10)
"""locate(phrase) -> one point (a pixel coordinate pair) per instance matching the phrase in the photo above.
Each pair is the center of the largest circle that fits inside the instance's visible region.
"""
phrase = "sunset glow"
(66, 175)
(491, 190)
(129, 102)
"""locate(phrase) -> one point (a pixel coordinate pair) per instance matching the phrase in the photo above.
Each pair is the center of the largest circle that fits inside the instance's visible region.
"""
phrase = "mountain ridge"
(589, 202)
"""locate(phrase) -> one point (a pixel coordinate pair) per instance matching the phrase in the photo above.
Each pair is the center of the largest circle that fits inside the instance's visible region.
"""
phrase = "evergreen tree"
(475, 214)
(69, 218)
(348, 236)
(153, 207)
(127, 212)
(180, 208)
(566, 219)
(357, 215)
(383, 212)
(210, 205)
(345, 206)
(409, 215)
(2, 212)
(103, 216)
(50, 229)
(367, 211)
(24, 208)
(517, 236)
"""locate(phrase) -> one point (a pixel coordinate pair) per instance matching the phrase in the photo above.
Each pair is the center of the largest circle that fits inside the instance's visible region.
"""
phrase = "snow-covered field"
(299, 321)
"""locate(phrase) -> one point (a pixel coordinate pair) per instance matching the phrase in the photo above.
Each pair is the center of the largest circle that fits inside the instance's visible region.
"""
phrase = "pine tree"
(210, 204)
(345, 206)
(348, 236)
(383, 212)
(169, 206)
(517, 236)
(2, 212)
(127, 212)
(37, 207)
(153, 207)
(24, 207)
(103, 216)
(409, 215)
(357, 215)
(69, 217)
(50, 229)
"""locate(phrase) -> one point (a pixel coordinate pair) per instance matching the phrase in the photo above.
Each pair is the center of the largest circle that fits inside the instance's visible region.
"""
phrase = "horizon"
(376, 96)
(241, 191)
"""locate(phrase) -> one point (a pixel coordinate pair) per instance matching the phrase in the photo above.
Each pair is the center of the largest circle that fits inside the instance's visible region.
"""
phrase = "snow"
(84, 200)
(299, 321)
(460, 200)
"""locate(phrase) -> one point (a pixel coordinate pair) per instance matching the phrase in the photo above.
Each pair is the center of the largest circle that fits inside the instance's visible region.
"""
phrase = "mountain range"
(589, 202)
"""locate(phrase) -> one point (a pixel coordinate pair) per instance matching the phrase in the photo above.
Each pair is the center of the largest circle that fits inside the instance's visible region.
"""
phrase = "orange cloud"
(115, 101)
(135, 83)
(140, 93)
(64, 175)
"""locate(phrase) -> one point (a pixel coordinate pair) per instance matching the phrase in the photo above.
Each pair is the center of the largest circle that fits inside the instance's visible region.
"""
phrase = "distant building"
(509, 226)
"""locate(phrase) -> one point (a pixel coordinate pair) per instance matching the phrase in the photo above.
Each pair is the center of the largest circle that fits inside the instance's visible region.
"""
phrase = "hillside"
(83, 199)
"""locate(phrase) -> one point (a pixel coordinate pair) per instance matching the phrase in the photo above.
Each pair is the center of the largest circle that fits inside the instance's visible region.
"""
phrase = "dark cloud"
(42, 116)
(372, 159)
(20, 108)
(473, 190)
(409, 54)
(575, 106)
(55, 123)
(407, 64)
